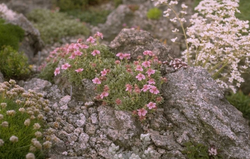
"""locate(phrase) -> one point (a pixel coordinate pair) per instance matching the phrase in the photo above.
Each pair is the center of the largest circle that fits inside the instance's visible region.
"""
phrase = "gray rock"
(25, 6)
(32, 42)
(1, 77)
(114, 22)
(198, 108)
(136, 42)
(121, 123)
(36, 84)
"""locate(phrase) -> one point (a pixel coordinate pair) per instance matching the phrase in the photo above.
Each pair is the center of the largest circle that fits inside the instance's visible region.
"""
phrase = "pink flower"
(150, 72)
(127, 56)
(79, 70)
(147, 52)
(65, 66)
(151, 105)
(151, 81)
(106, 88)
(72, 56)
(118, 101)
(136, 62)
(154, 90)
(78, 53)
(137, 89)
(95, 52)
(57, 71)
(117, 62)
(145, 88)
(104, 94)
(79, 41)
(104, 72)
(129, 87)
(120, 55)
(96, 81)
(140, 77)
(146, 64)
(82, 46)
(139, 68)
(142, 112)
(98, 34)
(91, 40)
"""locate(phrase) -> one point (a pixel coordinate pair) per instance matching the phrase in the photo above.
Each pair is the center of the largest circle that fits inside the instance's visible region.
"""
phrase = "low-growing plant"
(200, 151)
(10, 34)
(133, 86)
(92, 15)
(22, 124)
(67, 5)
(117, 2)
(47, 71)
(241, 102)
(55, 25)
(13, 64)
(216, 40)
(154, 14)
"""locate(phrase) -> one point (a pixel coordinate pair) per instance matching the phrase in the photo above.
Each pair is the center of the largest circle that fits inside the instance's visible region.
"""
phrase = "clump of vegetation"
(21, 123)
(67, 5)
(198, 151)
(117, 2)
(241, 102)
(55, 25)
(13, 64)
(125, 85)
(154, 14)
(10, 35)
(47, 71)
(92, 16)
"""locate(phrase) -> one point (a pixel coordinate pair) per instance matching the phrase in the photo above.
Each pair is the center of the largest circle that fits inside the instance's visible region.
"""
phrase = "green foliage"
(47, 73)
(13, 64)
(122, 74)
(54, 25)
(10, 34)
(241, 102)
(91, 64)
(198, 151)
(92, 16)
(67, 5)
(117, 2)
(20, 116)
(154, 14)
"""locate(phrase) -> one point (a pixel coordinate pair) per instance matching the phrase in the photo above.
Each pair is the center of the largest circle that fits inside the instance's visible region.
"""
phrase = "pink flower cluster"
(72, 51)
(123, 56)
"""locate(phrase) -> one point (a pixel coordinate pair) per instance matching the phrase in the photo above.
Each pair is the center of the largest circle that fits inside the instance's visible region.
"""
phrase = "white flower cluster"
(216, 40)
(6, 13)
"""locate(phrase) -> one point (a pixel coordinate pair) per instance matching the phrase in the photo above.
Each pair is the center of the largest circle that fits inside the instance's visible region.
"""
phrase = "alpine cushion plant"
(132, 86)
(81, 59)
(125, 85)
(21, 122)
(216, 39)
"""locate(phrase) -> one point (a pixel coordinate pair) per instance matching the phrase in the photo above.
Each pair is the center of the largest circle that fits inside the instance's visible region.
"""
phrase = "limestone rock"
(198, 108)
(136, 42)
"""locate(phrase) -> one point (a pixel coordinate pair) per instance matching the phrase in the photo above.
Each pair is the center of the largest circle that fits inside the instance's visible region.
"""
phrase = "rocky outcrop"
(133, 14)
(197, 108)
(25, 6)
(32, 42)
(136, 41)
(122, 14)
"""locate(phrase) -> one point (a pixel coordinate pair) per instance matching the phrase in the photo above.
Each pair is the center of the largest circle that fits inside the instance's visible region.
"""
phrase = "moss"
(10, 35)
(154, 14)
